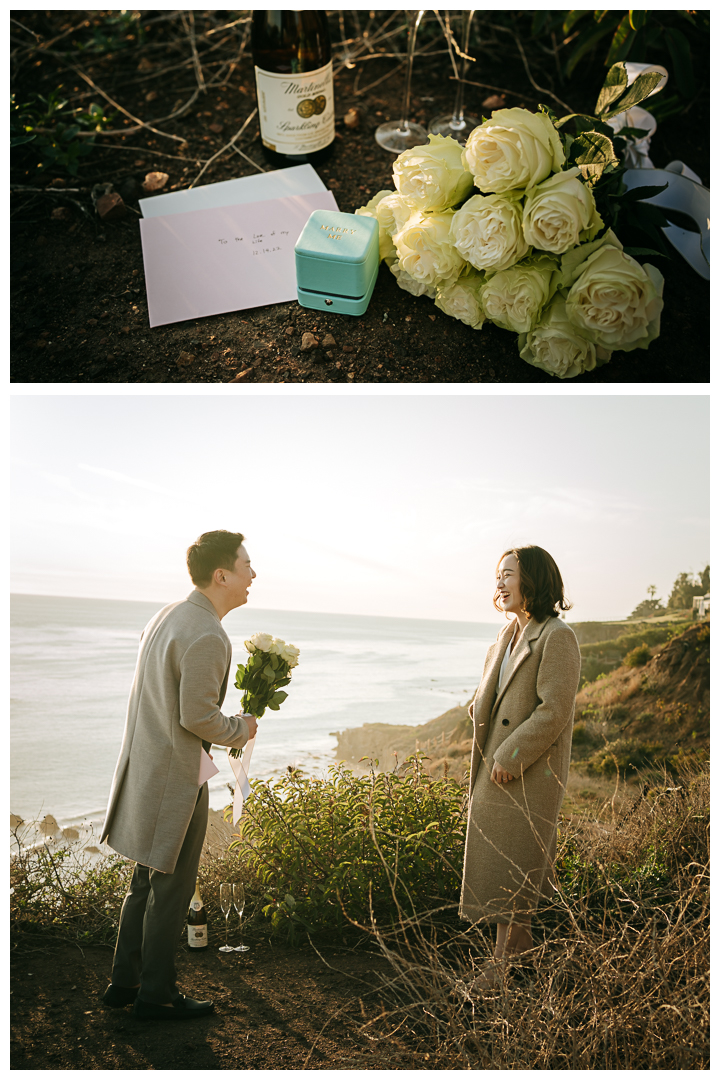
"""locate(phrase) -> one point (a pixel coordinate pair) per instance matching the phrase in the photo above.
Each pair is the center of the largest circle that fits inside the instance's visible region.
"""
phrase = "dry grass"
(618, 978)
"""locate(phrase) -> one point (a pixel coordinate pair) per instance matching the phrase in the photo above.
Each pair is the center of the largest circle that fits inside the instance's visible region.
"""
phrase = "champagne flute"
(398, 135)
(225, 905)
(460, 124)
(238, 897)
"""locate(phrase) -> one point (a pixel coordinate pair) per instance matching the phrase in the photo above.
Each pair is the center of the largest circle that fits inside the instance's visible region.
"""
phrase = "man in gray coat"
(157, 813)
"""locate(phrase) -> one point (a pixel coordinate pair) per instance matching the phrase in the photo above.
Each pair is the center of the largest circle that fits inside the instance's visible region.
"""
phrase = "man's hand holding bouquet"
(261, 679)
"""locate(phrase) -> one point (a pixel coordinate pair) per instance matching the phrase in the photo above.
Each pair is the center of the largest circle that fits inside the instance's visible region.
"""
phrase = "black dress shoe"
(117, 996)
(182, 1008)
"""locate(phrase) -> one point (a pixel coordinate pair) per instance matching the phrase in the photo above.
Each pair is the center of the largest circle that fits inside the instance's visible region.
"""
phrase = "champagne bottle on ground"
(197, 921)
(293, 78)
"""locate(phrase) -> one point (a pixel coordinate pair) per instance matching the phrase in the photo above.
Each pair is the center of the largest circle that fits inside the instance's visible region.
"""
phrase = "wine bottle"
(293, 78)
(197, 921)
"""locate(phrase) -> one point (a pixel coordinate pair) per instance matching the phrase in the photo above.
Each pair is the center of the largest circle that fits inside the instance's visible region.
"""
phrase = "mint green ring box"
(337, 257)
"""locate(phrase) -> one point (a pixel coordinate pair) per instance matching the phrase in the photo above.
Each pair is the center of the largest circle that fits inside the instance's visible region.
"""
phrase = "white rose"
(290, 654)
(513, 149)
(614, 300)
(425, 250)
(514, 298)
(461, 299)
(487, 231)
(432, 177)
(387, 248)
(409, 284)
(560, 213)
(557, 346)
(393, 212)
(259, 643)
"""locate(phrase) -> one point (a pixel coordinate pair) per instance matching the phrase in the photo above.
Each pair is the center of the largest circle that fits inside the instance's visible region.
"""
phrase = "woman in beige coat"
(523, 717)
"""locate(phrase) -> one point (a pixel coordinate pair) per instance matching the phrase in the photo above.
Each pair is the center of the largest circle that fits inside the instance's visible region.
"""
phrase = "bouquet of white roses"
(264, 675)
(509, 229)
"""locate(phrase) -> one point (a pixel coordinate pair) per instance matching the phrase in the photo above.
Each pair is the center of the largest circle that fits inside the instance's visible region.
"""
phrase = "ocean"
(72, 664)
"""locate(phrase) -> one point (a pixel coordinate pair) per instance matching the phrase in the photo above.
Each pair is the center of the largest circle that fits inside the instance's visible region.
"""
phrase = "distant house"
(701, 606)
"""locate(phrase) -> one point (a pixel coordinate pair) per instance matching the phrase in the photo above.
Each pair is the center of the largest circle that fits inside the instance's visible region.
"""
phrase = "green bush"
(326, 850)
(55, 891)
(624, 756)
(637, 657)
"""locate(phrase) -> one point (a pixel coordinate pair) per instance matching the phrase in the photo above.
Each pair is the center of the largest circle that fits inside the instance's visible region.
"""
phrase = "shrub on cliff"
(326, 850)
(637, 657)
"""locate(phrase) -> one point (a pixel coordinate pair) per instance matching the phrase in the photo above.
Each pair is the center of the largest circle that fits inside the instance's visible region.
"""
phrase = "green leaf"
(682, 61)
(572, 18)
(592, 153)
(640, 89)
(630, 133)
(621, 42)
(614, 87)
(638, 19)
(277, 699)
(645, 192)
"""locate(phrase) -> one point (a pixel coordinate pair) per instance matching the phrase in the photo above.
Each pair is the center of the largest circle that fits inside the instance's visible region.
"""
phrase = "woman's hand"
(499, 775)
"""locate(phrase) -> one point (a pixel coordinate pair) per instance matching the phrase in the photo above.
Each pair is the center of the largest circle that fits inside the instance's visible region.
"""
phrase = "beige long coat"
(174, 709)
(527, 730)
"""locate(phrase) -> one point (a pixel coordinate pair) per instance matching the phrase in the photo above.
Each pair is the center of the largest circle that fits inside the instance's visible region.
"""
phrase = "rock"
(328, 341)
(309, 341)
(241, 374)
(49, 826)
(111, 207)
(184, 359)
(352, 118)
(61, 213)
(155, 181)
(151, 95)
(217, 129)
(348, 349)
(330, 355)
(289, 330)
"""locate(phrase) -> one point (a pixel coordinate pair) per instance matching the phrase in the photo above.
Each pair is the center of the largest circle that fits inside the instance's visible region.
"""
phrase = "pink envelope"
(206, 262)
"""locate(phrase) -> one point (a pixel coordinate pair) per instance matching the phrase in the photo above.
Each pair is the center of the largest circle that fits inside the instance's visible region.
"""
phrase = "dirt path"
(275, 1008)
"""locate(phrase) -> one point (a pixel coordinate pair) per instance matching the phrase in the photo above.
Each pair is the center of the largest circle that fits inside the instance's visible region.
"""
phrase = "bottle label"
(196, 904)
(197, 936)
(297, 112)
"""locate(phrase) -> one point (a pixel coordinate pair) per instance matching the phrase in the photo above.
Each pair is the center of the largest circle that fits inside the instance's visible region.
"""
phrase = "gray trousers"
(153, 914)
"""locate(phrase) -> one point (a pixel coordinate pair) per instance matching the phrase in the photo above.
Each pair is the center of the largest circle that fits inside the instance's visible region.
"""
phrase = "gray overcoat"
(527, 729)
(174, 710)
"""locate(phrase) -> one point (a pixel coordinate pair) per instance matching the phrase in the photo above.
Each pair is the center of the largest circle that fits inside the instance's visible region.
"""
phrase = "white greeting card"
(209, 261)
(297, 180)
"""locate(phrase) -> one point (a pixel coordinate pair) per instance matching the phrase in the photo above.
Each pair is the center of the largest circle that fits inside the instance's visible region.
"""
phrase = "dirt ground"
(275, 1008)
(78, 307)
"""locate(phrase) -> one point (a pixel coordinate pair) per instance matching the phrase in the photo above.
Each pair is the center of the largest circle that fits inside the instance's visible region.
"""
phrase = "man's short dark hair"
(212, 551)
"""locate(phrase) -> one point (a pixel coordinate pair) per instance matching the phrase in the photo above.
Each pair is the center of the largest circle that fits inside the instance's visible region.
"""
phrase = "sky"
(392, 505)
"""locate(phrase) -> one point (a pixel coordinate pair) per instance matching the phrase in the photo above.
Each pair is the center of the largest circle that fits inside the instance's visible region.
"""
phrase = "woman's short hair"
(541, 585)
(212, 551)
